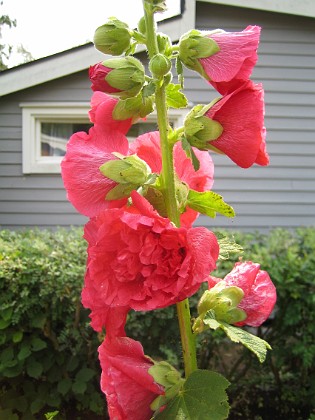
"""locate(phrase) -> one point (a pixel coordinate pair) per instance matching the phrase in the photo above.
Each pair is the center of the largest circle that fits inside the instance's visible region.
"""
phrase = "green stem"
(169, 190)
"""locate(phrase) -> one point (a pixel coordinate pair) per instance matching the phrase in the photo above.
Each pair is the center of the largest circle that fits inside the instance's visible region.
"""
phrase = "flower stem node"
(199, 129)
(154, 6)
(159, 66)
(113, 37)
(222, 300)
(126, 76)
(194, 45)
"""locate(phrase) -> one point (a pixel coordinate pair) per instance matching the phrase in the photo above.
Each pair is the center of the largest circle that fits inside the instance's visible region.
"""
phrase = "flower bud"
(123, 76)
(194, 45)
(222, 301)
(159, 66)
(126, 169)
(199, 129)
(112, 38)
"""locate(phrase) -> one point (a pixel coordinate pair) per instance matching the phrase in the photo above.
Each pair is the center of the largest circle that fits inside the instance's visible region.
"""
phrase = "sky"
(45, 27)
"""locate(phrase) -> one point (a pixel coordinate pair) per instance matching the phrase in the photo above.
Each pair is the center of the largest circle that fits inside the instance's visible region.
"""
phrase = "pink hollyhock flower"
(259, 292)
(233, 64)
(138, 259)
(125, 380)
(97, 75)
(241, 114)
(86, 186)
(147, 147)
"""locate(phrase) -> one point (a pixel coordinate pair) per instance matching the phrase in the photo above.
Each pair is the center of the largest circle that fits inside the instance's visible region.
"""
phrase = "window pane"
(140, 128)
(54, 136)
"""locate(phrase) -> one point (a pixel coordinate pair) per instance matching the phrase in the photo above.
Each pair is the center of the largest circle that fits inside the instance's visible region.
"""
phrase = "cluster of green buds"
(113, 37)
(222, 301)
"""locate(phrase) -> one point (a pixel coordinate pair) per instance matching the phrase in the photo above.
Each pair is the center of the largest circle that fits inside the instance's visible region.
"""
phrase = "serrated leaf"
(209, 203)
(238, 335)
(253, 343)
(228, 246)
(175, 98)
(202, 397)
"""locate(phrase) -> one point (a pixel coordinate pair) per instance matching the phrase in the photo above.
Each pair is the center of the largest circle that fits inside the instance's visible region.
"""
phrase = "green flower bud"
(130, 172)
(127, 76)
(164, 43)
(159, 66)
(194, 45)
(222, 300)
(142, 26)
(135, 108)
(154, 6)
(199, 129)
(113, 37)
(167, 376)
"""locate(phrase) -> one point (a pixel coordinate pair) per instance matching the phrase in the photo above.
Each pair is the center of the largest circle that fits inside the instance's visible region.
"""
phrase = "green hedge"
(48, 352)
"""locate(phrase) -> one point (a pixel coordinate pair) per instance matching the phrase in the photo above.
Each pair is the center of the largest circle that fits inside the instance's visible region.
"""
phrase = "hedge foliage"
(48, 352)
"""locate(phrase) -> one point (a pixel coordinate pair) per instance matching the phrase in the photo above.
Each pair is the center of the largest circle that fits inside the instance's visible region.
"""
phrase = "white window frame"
(33, 114)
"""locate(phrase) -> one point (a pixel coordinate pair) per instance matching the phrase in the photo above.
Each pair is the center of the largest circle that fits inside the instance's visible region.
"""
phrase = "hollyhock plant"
(148, 148)
(229, 62)
(240, 117)
(138, 259)
(259, 291)
(125, 380)
(86, 186)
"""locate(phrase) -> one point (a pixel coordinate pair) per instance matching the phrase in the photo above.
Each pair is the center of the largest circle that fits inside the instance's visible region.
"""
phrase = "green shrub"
(48, 352)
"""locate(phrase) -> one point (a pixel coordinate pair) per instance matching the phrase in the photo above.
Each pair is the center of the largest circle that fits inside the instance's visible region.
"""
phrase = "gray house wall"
(281, 194)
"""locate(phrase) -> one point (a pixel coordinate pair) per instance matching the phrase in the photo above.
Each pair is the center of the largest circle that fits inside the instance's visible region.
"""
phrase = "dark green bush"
(48, 356)
(48, 353)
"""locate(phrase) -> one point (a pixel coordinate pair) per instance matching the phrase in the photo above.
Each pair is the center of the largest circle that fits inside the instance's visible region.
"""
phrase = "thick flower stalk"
(142, 199)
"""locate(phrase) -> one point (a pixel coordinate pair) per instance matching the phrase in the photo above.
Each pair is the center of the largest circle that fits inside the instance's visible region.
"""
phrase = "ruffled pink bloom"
(125, 380)
(241, 115)
(259, 292)
(147, 147)
(86, 186)
(233, 64)
(97, 75)
(139, 260)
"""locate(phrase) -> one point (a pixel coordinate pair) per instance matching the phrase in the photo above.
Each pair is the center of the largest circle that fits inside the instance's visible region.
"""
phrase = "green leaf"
(38, 344)
(202, 397)
(175, 98)
(190, 153)
(24, 352)
(6, 314)
(228, 246)
(84, 375)
(79, 387)
(33, 368)
(64, 386)
(37, 405)
(180, 72)
(4, 323)
(17, 336)
(253, 343)
(209, 203)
